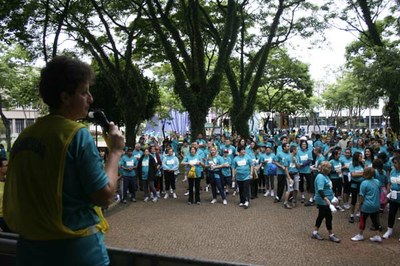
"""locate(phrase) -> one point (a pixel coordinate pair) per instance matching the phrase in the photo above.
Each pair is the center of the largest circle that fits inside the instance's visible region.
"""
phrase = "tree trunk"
(393, 111)
(197, 121)
(6, 125)
(240, 124)
(131, 123)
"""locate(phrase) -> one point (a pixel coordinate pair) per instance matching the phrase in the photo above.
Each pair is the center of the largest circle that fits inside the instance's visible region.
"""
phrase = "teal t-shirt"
(346, 162)
(226, 171)
(242, 164)
(292, 164)
(356, 169)
(381, 177)
(370, 191)
(395, 183)
(194, 159)
(145, 168)
(214, 161)
(137, 154)
(336, 166)
(368, 163)
(322, 182)
(284, 159)
(83, 175)
(128, 162)
(304, 158)
(269, 167)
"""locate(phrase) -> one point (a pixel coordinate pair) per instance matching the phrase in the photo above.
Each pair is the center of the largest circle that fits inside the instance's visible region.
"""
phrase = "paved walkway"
(264, 234)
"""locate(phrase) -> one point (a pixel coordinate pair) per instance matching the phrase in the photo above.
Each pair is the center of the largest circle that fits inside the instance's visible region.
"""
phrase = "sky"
(325, 61)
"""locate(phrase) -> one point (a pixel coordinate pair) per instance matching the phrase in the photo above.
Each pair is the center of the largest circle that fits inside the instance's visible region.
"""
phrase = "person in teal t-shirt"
(346, 162)
(243, 173)
(128, 164)
(194, 159)
(323, 200)
(357, 176)
(146, 170)
(336, 174)
(370, 203)
(394, 195)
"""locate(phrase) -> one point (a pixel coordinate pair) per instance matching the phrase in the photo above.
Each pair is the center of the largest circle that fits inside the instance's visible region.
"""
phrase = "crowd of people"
(356, 171)
(56, 180)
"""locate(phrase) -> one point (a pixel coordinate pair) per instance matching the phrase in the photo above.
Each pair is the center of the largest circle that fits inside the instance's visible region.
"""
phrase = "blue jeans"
(217, 183)
(129, 183)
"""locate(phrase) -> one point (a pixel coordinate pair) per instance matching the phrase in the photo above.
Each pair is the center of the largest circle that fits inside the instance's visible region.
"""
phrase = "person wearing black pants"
(194, 182)
(192, 160)
(323, 200)
(357, 176)
(243, 170)
(170, 164)
(282, 162)
(244, 191)
(393, 195)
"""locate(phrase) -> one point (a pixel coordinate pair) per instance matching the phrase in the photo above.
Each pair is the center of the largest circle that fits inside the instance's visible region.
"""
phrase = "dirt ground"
(264, 234)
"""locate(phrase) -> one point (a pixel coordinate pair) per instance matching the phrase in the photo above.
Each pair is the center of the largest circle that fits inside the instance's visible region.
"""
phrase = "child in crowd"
(370, 204)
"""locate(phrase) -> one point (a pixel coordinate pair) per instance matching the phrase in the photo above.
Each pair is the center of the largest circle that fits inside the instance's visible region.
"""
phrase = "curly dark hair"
(62, 74)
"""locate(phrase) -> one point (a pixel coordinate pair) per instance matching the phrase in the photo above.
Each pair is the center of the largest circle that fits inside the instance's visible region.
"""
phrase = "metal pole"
(369, 120)
(96, 137)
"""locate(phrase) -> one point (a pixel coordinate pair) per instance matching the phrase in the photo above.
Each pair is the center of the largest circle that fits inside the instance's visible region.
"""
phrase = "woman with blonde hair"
(323, 200)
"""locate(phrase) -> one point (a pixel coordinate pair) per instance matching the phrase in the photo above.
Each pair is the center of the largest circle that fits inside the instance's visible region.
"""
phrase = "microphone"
(100, 118)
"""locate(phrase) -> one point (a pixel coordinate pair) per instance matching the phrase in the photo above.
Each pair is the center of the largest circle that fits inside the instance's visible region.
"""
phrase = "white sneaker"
(398, 218)
(184, 180)
(207, 188)
(224, 202)
(234, 193)
(146, 199)
(387, 234)
(155, 199)
(171, 191)
(186, 193)
(346, 206)
(241, 204)
(246, 205)
(272, 193)
(339, 208)
(376, 239)
(213, 201)
(166, 196)
(358, 214)
(158, 194)
(357, 237)
(266, 193)
(174, 195)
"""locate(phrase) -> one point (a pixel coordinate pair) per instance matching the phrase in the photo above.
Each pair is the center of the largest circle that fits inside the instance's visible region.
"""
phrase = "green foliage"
(286, 86)
(168, 98)
(18, 78)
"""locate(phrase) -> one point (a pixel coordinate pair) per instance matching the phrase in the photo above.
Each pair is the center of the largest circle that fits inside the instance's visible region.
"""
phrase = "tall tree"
(375, 57)
(277, 21)
(107, 31)
(186, 30)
